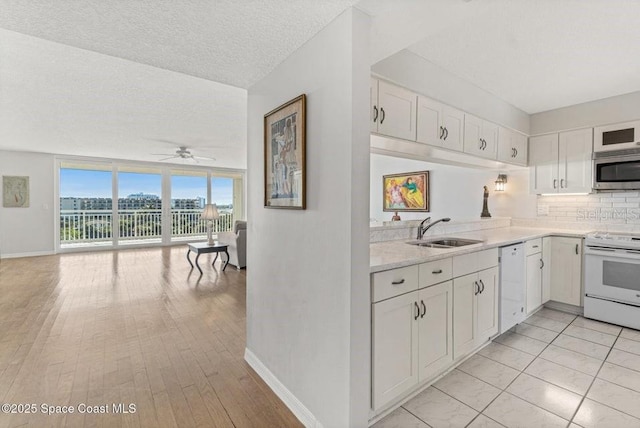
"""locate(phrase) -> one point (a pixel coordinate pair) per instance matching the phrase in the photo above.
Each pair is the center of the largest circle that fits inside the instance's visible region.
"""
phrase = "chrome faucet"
(422, 229)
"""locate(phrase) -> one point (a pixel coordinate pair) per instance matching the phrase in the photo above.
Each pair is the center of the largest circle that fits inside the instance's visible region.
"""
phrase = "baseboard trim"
(303, 414)
(564, 307)
(31, 254)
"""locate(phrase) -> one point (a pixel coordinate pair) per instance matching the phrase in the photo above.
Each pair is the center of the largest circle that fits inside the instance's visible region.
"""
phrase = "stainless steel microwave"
(616, 170)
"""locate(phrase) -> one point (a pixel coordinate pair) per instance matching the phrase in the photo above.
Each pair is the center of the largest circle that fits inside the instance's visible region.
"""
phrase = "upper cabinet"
(512, 147)
(439, 125)
(480, 137)
(561, 163)
(617, 137)
(393, 110)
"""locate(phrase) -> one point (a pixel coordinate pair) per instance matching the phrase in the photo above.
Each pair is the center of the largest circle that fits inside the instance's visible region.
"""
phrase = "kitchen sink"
(444, 242)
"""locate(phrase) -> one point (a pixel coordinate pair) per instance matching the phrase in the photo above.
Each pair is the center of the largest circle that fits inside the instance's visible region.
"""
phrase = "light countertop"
(394, 254)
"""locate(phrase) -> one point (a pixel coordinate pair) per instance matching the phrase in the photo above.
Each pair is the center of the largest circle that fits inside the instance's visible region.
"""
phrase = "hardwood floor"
(132, 326)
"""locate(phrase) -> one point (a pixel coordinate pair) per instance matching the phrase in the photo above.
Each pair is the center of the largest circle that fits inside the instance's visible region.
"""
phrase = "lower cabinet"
(534, 282)
(475, 310)
(412, 340)
(566, 270)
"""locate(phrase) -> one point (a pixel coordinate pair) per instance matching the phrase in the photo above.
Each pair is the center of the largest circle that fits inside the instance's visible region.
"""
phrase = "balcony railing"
(96, 226)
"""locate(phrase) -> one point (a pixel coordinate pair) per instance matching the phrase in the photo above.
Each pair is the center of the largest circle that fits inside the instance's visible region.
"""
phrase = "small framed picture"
(406, 192)
(285, 156)
(15, 191)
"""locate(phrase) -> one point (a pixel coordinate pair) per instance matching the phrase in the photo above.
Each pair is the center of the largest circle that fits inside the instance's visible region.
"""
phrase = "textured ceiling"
(540, 55)
(63, 100)
(236, 42)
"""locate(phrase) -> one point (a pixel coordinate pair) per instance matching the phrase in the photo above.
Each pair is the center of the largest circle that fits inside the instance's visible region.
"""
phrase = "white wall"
(416, 73)
(29, 231)
(455, 191)
(307, 282)
(601, 112)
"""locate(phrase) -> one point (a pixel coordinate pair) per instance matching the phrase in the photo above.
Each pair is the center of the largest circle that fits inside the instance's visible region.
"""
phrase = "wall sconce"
(501, 182)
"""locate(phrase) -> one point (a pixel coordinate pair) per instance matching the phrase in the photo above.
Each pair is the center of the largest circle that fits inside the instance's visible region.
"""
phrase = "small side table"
(204, 247)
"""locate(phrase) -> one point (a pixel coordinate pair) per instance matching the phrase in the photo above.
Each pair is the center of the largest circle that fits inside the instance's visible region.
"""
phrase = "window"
(139, 205)
(85, 205)
(188, 198)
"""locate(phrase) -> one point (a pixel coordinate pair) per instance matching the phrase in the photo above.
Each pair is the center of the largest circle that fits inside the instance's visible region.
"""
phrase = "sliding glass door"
(155, 204)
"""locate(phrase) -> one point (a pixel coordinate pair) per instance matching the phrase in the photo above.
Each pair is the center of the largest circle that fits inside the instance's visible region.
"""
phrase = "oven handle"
(610, 254)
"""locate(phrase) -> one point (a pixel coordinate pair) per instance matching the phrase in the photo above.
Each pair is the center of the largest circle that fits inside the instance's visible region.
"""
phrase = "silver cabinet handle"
(418, 311)
(541, 263)
(477, 288)
(436, 272)
(446, 133)
(441, 133)
(534, 246)
(375, 114)
(424, 309)
(482, 289)
(398, 282)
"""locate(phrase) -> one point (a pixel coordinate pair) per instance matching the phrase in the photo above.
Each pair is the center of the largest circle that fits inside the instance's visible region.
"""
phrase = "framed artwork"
(406, 192)
(15, 192)
(284, 156)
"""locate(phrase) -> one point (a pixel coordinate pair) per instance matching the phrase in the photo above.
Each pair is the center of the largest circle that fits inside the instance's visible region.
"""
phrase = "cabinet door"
(617, 137)
(490, 137)
(534, 282)
(464, 314)
(374, 112)
(487, 305)
(453, 124)
(521, 146)
(430, 128)
(546, 269)
(473, 143)
(395, 347)
(435, 332)
(506, 152)
(575, 165)
(566, 268)
(397, 111)
(543, 163)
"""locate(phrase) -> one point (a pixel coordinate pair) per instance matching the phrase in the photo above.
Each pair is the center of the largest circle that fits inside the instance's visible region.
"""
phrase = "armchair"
(237, 242)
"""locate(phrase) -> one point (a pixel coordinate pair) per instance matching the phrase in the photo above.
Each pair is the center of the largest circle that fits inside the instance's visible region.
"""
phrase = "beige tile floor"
(554, 370)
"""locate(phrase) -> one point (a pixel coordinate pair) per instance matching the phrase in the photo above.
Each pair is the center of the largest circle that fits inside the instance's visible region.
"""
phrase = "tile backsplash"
(611, 210)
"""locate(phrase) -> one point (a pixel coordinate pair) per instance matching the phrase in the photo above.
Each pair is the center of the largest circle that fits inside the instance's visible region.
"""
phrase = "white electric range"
(612, 278)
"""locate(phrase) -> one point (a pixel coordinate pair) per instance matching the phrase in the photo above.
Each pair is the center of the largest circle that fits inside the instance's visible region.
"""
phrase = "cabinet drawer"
(533, 246)
(394, 282)
(435, 272)
(473, 262)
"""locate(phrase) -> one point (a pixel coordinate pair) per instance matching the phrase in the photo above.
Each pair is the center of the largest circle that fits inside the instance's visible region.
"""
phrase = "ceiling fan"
(183, 153)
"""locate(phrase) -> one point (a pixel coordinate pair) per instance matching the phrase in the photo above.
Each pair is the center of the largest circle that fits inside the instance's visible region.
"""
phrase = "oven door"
(613, 274)
(619, 172)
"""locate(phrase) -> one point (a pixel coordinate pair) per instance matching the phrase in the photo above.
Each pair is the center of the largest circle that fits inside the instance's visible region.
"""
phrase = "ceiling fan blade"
(204, 157)
(170, 157)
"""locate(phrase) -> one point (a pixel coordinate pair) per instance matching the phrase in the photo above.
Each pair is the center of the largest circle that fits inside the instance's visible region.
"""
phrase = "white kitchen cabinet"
(620, 136)
(412, 329)
(561, 163)
(480, 137)
(475, 310)
(534, 282)
(394, 347)
(439, 125)
(487, 305)
(566, 270)
(575, 164)
(512, 147)
(394, 112)
(435, 333)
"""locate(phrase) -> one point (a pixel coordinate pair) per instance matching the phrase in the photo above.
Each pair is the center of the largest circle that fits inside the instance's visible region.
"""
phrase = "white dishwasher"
(512, 286)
